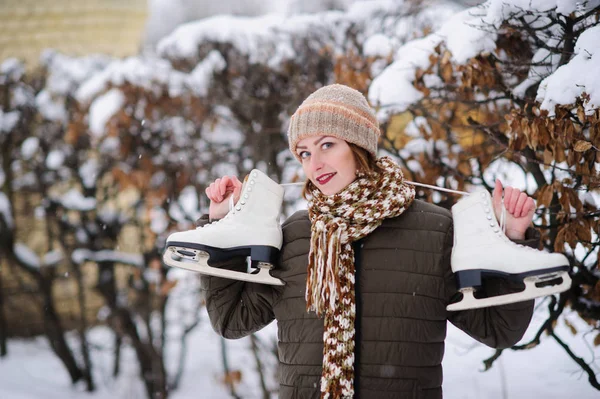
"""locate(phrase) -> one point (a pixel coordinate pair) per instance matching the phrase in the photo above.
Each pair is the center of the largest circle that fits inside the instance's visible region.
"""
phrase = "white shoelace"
(502, 215)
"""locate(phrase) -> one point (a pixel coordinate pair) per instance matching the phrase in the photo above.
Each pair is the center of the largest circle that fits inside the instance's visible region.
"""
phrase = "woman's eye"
(304, 154)
(327, 145)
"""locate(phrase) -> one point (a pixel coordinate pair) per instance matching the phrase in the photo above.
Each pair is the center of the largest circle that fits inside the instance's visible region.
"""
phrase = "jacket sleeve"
(236, 308)
(496, 326)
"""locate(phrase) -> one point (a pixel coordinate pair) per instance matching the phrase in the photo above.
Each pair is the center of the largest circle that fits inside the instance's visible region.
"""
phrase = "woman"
(366, 264)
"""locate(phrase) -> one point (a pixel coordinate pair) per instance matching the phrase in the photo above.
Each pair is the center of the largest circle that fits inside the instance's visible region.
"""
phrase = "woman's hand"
(519, 210)
(219, 192)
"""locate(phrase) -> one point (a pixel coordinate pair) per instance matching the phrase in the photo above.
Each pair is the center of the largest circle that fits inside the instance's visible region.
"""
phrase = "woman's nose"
(315, 162)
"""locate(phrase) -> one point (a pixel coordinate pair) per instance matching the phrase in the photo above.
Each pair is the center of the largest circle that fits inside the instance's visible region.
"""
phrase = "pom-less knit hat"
(339, 111)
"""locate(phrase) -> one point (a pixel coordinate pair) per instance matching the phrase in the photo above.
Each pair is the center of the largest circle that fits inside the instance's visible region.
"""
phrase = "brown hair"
(365, 162)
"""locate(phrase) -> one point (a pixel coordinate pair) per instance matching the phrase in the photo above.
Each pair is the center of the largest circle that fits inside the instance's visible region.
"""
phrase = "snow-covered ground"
(31, 370)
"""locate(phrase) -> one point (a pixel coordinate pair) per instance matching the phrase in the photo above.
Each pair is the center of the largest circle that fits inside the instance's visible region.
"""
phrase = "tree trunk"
(151, 364)
(259, 366)
(82, 328)
(55, 332)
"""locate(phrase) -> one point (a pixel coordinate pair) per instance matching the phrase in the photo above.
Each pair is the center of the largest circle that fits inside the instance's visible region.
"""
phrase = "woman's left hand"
(519, 210)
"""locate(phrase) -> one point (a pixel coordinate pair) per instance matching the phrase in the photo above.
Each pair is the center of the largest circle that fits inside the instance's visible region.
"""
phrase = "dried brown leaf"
(545, 196)
(571, 327)
(582, 146)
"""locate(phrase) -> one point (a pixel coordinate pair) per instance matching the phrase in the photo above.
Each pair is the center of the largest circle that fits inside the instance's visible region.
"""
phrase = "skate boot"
(251, 228)
(482, 249)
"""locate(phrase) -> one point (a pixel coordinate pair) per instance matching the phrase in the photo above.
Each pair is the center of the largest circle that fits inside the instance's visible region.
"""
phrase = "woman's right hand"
(218, 192)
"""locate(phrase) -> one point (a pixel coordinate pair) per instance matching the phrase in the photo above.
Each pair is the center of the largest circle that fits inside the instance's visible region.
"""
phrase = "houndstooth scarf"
(337, 221)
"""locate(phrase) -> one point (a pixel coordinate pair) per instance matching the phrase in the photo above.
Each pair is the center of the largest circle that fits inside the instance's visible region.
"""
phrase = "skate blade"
(531, 292)
(198, 262)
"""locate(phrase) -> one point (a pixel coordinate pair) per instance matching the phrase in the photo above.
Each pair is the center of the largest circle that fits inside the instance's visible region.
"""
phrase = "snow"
(225, 131)
(73, 199)
(150, 73)
(89, 172)
(31, 370)
(29, 147)
(26, 256)
(50, 108)
(545, 371)
(573, 79)
(268, 39)
(393, 90)
(102, 109)
(537, 72)
(500, 9)
(201, 77)
(6, 210)
(12, 68)
(66, 73)
(53, 258)
(55, 159)
(8, 120)
(189, 202)
(470, 33)
(378, 45)
(80, 256)
(253, 36)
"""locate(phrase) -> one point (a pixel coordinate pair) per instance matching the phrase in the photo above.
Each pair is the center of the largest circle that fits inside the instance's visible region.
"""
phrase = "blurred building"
(74, 27)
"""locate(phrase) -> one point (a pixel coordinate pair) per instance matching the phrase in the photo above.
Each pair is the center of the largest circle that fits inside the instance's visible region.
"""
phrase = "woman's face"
(328, 162)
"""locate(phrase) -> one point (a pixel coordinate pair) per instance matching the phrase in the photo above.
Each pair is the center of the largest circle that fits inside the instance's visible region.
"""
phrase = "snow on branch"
(74, 200)
(475, 31)
(102, 109)
(270, 39)
(83, 255)
(6, 211)
(29, 258)
(575, 78)
(147, 73)
(8, 120)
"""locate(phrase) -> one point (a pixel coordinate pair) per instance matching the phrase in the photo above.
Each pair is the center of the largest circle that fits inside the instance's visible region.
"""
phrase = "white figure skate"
(251, 228)
(482, 249)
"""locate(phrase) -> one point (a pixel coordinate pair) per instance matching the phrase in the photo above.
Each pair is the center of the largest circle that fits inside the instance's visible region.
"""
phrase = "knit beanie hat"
(339, 111)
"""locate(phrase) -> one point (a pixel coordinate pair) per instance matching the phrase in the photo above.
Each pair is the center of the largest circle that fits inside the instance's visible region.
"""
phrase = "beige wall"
(74, 27)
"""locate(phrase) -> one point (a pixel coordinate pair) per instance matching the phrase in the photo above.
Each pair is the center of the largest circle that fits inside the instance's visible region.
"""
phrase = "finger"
(214, 189)
(519, 207)
(529, 207)
(219, 186)
(227, 183)
(236, 182)
(510, 199)
(210, 194)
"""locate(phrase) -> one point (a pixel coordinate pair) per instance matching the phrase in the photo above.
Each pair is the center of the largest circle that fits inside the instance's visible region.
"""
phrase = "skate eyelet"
(254, 174)
(246, 196)
(489, 217)
(492, 224)
(238, 208)
(251, 181)
(249, 189)
(243, 202)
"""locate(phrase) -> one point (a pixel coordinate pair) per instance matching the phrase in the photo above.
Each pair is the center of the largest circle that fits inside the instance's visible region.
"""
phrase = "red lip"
(324, 178)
